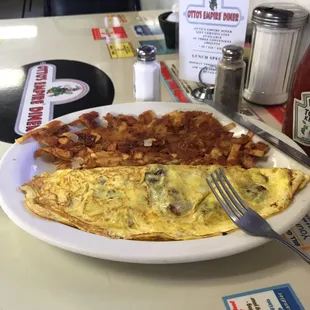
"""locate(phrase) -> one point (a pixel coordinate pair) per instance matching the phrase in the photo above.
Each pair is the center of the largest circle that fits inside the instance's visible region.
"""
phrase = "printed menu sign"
(206, 26)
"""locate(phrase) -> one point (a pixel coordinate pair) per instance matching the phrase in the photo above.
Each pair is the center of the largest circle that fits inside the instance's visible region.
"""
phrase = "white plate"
(18, 166)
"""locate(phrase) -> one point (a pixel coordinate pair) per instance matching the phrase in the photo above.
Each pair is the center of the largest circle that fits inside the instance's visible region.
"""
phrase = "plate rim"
(199, 255)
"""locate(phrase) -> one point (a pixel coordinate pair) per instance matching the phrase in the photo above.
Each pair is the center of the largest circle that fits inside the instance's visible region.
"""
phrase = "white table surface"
(36, 276)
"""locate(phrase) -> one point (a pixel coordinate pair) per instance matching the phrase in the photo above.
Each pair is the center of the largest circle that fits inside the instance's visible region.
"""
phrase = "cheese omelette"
(155, 202)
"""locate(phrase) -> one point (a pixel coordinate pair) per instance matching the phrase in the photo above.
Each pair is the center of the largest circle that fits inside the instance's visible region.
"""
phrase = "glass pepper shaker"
(229, 80)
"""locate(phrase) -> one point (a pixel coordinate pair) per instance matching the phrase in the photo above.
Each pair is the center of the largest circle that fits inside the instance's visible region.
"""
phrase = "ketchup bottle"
(297, 117)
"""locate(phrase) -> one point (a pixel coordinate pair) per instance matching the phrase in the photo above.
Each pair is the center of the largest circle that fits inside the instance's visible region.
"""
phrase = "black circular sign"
(39, 92)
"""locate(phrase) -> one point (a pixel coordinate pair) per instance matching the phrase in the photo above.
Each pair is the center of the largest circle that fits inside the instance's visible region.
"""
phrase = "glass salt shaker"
(277, 28)
(229, 80)
(147, 75)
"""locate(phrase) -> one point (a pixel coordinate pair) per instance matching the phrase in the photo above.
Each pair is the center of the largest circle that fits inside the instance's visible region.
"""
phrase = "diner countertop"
(36, 275)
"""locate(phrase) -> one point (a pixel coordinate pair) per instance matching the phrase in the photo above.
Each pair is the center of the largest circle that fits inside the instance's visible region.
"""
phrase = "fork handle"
(276, 236)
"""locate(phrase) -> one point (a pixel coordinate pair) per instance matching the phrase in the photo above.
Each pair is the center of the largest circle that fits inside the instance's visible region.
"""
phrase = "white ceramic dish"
(18, 166)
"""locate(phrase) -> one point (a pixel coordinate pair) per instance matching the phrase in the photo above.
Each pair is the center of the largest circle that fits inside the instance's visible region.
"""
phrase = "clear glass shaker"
(229, 81)
(277, 28)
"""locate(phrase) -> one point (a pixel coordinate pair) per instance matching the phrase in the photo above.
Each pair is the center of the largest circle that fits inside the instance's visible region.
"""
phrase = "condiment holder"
(170, 30)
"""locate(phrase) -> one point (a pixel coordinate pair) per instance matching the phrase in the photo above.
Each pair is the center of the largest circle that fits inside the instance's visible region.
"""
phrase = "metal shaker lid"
(146, 53)
(232, 52)
(280, 15)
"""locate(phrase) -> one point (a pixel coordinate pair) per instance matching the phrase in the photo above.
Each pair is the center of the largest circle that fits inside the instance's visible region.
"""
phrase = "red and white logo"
(42, 91)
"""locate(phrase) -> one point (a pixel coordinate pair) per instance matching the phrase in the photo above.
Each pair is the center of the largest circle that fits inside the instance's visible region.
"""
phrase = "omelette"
(155, 202)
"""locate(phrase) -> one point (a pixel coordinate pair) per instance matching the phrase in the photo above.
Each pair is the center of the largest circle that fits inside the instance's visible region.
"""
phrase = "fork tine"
(222, 203)
(227, 206)
(214, 192)
(225, 195)
(234, 191)
(223, 180)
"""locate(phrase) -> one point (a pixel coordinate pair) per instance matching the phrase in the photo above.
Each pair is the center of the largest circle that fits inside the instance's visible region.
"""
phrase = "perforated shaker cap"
(232, 52)
(146, 53)
(280, 15)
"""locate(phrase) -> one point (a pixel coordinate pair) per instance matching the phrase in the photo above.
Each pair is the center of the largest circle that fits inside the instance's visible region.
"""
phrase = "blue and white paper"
(280, 297)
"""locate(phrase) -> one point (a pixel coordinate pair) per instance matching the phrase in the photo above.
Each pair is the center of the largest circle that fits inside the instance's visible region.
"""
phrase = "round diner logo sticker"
(50, 89)
(41, 92)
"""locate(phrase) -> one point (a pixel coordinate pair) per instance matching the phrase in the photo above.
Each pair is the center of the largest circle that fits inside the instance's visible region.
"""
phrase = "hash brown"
(186, 138)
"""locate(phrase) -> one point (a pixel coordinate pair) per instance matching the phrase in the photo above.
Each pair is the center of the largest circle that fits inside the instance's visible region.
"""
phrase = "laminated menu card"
(206, 26)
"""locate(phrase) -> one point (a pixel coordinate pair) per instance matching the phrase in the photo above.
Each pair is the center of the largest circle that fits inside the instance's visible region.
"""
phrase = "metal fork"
(243, 216)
